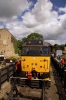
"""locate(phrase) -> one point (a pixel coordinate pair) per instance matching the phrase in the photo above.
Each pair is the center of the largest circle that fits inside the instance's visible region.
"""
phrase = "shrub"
(14, 58)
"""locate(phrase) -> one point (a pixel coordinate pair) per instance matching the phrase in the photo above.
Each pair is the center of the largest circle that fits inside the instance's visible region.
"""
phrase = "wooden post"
(8, 73)
(0, 79)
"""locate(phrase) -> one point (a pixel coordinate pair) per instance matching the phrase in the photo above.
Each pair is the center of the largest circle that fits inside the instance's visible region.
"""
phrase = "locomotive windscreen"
(35, 50)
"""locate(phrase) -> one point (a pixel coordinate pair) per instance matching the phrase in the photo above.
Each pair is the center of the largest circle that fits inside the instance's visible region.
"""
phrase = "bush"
(64, 56)
(13, 58)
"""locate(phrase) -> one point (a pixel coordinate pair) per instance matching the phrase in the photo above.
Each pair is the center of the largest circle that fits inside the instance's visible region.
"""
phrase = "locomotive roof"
(44, 44)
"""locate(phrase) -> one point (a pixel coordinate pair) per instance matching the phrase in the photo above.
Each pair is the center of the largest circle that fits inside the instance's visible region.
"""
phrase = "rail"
(5, 73)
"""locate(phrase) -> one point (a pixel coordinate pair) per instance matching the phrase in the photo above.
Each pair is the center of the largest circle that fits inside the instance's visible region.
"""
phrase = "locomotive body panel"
(37, 63)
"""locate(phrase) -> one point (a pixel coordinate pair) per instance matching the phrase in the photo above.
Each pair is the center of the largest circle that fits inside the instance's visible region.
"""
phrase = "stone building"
(7, 41)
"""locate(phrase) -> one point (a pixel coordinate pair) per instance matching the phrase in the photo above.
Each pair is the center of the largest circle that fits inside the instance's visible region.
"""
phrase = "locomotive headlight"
(29, 42)
(39, 41)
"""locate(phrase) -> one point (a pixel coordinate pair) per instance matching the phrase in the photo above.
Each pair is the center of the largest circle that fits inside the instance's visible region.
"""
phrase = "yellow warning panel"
(37, 63)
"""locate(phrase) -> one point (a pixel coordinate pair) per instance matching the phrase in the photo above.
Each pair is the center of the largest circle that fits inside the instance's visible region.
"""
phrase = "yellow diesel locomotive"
(35, 60)
(35, 65)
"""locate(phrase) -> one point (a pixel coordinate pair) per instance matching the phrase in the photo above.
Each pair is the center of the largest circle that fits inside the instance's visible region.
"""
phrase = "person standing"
(62, 61)
(18, 68)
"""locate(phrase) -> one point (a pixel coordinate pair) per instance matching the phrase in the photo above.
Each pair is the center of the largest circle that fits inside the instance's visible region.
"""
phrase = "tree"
(62, 47)
(34, 36)
(24, 39)
(18, 46)
(31, 37)
(55, 45)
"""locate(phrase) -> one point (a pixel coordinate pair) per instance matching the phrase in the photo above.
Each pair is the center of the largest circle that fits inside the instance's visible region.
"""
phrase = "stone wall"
(7, 43)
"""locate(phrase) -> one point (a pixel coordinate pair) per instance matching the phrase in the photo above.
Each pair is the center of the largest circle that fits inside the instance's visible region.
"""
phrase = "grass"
(64, 56)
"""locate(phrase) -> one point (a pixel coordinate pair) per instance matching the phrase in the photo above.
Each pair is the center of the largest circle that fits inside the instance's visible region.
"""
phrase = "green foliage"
(56, 46)
(31, 37)
(65, 44)
(62, 47)
(15, 46)
(18, 46)
(14, 58)
(34, 36)
(64, 56)
(24, 39)
(1, 65)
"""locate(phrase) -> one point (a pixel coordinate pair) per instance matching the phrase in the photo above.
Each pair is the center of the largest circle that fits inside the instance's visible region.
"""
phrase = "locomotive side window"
(25, 49)
(45, 51)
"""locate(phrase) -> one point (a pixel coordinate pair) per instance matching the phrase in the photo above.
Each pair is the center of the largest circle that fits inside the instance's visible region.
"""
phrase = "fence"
(6, 73)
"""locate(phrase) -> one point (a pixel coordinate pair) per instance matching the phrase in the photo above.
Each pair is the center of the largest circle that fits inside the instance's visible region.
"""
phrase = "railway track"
(18, 93)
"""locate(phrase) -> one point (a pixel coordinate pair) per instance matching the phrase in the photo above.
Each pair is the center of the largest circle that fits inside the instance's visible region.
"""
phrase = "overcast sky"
(46, 17)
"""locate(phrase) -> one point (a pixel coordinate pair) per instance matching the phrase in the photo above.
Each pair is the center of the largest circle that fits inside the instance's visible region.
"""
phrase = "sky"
(46, 17)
